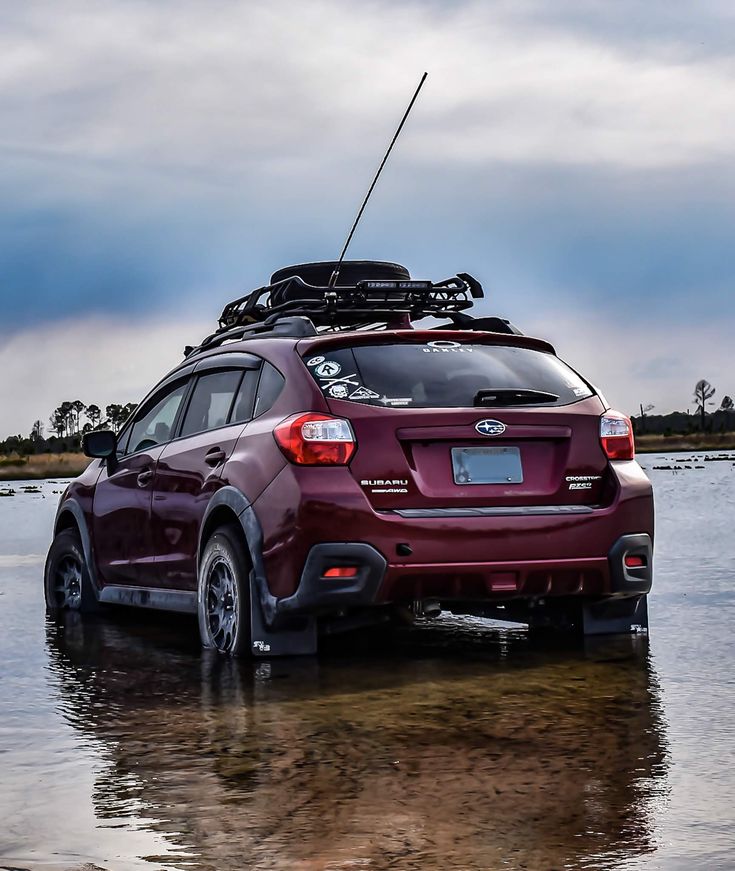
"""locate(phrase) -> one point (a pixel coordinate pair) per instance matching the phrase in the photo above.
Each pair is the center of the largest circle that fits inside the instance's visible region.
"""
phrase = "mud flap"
(616, 616)
(297, 637)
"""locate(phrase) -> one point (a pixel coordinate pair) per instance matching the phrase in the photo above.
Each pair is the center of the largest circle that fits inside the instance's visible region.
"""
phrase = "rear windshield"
(442, 374)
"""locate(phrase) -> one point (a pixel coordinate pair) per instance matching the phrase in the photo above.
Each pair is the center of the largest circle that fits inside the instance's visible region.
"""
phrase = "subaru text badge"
(490, 427)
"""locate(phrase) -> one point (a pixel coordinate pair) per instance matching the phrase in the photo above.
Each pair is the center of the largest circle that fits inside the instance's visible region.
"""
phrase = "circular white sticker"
(328, 369)
(315, 361)
(339, 391)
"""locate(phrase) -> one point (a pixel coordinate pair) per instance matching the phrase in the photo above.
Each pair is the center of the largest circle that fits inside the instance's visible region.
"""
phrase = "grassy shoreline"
(661, 444)
(40, 466)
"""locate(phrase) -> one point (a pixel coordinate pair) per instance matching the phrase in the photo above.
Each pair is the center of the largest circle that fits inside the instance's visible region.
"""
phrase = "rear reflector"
(616, 436)
(633, 561)
(314, 439)
(341, 572)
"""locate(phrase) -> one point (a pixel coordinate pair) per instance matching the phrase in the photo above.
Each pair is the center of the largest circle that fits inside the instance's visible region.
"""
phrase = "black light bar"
(394, 285)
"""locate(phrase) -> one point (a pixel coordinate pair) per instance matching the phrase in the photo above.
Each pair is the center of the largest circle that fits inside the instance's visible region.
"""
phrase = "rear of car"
(466, 471)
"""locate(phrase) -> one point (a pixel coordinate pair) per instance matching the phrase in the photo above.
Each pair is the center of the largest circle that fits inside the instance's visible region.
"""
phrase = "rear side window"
(270, 385)
(442, 374)
(242, 411)
(211, 401)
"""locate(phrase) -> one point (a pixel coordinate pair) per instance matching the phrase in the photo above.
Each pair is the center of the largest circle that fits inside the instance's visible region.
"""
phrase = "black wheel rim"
(222, 604)
(67, 583)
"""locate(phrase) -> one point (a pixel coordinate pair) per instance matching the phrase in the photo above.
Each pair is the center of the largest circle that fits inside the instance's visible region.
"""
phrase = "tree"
(644, 411)
(703, 393)
(94, 415)
(57, 423)
(77, 409)
(115, 415)
(727, 406)
(37, 431)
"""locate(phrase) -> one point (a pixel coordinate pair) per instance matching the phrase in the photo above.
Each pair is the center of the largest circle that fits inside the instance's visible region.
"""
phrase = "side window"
(155, 424)
(271, 384)
(211, 401)
(243, 409)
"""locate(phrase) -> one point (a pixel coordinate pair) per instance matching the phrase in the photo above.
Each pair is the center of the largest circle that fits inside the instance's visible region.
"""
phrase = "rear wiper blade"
(512, 396)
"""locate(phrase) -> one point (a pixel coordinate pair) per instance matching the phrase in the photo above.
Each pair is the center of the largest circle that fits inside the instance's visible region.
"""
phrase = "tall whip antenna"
(335, 274)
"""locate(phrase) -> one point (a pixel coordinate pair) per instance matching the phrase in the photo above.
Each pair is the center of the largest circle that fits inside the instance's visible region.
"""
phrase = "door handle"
(214, 457)
(145, 477)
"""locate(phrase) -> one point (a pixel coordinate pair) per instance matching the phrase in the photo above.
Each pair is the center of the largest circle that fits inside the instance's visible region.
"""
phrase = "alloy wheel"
(67, 586)
(222, 604)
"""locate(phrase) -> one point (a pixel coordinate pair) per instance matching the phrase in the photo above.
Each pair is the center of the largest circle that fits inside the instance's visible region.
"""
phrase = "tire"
(66, 581)
(223, 594)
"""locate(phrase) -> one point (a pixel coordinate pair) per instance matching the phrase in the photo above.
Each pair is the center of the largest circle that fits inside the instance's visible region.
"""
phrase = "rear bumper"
(380, 583)
(483, 554)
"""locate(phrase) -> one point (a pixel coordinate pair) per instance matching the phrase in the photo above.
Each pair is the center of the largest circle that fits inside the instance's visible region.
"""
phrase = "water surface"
(455, 745)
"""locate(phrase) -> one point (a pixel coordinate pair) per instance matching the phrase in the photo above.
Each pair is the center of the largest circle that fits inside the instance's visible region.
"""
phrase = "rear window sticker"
(364, 393)
(393, 401)
(345, 379)
(339, 391)
(328, 369)
(315, 361)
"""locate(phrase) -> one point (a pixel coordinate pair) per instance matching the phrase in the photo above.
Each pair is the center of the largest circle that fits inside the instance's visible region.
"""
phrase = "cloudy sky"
(158, 158)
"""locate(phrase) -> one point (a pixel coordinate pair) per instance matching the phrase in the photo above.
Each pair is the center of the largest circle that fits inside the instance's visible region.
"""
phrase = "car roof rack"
(375, 295)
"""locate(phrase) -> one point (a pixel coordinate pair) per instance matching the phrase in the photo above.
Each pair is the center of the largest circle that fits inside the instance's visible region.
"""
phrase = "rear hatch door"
(450, 424)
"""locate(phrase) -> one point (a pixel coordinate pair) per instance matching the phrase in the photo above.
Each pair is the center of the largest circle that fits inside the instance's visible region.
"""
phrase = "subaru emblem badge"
(490, 427)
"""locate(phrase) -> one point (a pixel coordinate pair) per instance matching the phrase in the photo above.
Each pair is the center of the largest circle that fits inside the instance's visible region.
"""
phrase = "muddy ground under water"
(455, 745)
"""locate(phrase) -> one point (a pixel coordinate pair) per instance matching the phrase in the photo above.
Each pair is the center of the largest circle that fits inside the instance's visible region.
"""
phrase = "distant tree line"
(67, 424)
(705, 417)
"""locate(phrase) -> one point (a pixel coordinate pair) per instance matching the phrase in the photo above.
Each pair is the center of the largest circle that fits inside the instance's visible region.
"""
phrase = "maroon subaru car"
(319, 463)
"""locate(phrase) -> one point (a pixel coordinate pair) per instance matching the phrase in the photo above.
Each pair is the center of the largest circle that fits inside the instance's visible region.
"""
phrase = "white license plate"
(487, 466)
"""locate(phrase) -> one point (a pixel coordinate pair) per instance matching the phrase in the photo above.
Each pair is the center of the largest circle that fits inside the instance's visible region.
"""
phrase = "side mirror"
(99, 443)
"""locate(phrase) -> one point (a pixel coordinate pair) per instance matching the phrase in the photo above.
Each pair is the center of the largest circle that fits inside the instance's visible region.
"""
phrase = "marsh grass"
(39, 466)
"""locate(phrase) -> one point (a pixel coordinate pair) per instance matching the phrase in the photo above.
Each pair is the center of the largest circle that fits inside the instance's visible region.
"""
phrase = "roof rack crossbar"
(363, 302)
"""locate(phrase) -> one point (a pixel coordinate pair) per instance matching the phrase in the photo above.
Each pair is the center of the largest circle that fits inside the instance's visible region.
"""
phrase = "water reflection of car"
(438, 747)
(292, 475)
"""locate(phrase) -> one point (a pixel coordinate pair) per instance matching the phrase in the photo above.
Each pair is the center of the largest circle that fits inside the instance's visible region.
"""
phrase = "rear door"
(463, 424)
(190, 468)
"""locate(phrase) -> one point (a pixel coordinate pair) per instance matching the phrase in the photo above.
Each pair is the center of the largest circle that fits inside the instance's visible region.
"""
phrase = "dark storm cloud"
(158, 154)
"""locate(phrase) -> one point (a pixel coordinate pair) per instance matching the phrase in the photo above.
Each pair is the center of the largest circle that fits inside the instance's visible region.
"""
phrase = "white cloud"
(93, 359)
(232, 90)
(104, 361)
(640, 362)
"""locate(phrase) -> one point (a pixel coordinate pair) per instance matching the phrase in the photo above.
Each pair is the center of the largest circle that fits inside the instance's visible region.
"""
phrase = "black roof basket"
(299, 302)
(369, 294)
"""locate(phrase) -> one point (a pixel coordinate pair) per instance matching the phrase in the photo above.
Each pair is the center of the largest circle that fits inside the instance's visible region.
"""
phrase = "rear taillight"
(341, 572)
(616, 436)
(313, 439)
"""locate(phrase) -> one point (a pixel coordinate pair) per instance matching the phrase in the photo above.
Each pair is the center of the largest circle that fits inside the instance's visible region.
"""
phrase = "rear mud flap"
(297, 637)
(616, 616)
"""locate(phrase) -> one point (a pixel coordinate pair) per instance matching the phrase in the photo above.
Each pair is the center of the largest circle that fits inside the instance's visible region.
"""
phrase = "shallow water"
(456, 745)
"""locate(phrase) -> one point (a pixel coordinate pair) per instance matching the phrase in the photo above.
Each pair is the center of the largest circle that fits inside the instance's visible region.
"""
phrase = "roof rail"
(294, 327)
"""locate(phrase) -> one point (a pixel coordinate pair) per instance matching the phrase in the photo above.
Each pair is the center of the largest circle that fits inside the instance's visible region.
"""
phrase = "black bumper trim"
(631, 581)
(317, 594)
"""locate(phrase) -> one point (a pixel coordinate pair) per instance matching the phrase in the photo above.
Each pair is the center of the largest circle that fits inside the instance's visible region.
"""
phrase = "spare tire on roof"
(350, 272)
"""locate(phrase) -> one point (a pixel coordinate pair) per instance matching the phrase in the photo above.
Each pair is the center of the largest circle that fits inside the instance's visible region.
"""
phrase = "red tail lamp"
(633, 561)
(616, 436)
(341, 572)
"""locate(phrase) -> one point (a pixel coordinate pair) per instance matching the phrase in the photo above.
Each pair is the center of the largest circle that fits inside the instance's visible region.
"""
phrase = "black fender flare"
(232, 498)
(72, 507)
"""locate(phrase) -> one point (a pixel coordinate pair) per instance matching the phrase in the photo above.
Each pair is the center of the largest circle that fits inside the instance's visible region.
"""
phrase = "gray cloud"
(577, 156)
